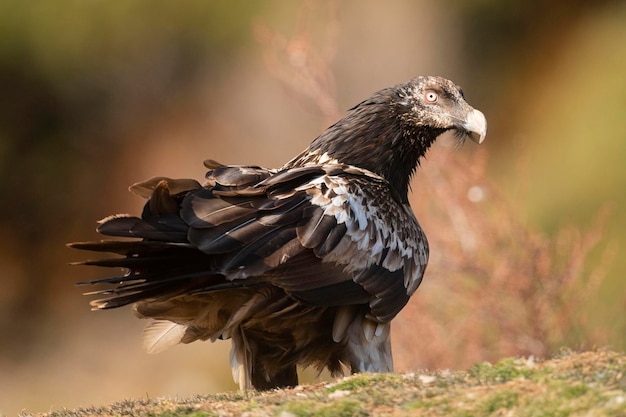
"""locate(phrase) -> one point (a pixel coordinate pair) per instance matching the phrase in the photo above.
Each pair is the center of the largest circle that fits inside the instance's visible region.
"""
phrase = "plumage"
(160, 335)
(302, 265)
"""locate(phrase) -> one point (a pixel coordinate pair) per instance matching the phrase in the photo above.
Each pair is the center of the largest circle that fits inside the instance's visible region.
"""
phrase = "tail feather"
(153, 286)
(135, 291)
(131, 247)
(130, 263)
(167, 228)
(146, 188)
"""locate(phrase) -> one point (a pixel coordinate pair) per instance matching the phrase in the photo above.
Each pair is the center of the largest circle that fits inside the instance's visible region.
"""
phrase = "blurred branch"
(496, 287)
(296, 62)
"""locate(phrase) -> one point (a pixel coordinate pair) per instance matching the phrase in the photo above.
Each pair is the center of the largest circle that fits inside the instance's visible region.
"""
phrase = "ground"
(570, 384)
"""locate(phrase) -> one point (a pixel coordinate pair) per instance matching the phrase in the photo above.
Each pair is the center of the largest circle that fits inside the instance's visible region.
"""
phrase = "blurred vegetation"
(96, 95)
(74, 75)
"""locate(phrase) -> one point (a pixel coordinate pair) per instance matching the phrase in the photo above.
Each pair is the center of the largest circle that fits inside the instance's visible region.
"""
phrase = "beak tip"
(477, 137)
(476, 126)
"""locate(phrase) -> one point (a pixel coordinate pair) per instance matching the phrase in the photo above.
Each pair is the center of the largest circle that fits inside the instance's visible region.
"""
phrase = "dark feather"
(132, 248)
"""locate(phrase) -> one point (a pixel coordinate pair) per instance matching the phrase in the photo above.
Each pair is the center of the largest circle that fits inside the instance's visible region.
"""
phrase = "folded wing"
(328, 235)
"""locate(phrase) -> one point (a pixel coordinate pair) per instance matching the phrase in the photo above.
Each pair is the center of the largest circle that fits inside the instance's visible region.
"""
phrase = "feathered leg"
(369, 346)
(250, 369)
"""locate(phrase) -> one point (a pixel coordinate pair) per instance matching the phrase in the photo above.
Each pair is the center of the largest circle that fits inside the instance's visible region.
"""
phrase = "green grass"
(340, 408)
(505, 370)
(573, 384)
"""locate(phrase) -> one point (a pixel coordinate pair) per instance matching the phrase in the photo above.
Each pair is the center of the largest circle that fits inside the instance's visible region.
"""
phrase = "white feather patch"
(240, 360)
(369, 329)
(343, 319)
(160, 335)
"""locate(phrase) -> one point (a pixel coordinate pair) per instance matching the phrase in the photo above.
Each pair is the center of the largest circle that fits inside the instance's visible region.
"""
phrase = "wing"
(357, 232)
(326, 234)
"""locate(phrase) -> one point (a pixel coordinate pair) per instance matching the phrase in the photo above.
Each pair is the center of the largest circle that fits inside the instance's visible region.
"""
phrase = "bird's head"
(389, 132)
(436, 104)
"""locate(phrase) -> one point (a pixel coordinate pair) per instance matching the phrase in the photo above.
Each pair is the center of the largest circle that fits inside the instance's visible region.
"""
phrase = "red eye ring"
(431, 97)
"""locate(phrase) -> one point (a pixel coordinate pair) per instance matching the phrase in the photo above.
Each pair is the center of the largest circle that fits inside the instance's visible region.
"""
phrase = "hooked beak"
(475, 126)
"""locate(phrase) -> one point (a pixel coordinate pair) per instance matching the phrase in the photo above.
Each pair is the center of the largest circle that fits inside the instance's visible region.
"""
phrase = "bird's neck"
(373, 142)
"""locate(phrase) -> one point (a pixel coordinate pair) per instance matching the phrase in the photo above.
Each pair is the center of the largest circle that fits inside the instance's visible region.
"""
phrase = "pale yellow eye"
(431, 97)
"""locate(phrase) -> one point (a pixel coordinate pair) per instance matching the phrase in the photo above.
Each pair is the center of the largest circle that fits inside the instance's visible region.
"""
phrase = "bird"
(303, 265)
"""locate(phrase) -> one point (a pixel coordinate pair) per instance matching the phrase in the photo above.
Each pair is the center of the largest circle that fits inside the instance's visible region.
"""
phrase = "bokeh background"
(527, 231)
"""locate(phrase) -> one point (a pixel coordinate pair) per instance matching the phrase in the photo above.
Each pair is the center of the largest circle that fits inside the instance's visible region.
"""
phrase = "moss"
(502, 400)
(574, 391)
(341, 408)
(505, 370)
(438, 405)
(183, 411)
(574, 384)
(359, 381)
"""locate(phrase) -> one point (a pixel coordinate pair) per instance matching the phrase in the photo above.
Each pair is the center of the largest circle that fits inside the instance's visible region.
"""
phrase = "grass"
(571, 384)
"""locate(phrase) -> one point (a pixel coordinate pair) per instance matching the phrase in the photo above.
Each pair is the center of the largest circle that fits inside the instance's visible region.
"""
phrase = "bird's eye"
(431, 97)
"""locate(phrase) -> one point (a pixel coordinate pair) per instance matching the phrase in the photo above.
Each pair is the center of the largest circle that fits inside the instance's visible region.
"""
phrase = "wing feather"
(327, 234)
(204, 210)
(315, 231)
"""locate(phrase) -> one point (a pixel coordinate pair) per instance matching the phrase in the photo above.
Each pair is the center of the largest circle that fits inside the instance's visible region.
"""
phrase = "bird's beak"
(476, 126)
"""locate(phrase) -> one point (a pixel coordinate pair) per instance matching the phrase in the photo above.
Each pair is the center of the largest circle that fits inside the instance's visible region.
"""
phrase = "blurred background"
(527, 231)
